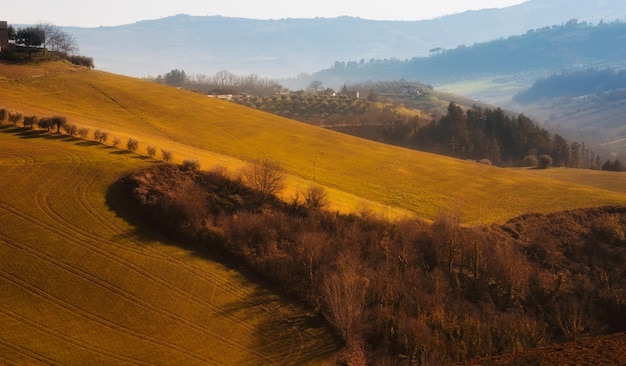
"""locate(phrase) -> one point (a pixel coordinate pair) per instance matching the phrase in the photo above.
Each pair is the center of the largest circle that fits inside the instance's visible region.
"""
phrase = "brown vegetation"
(408, 292)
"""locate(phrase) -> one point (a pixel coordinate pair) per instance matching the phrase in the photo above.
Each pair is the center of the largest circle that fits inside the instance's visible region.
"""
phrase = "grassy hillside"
(360, 174)
(81, 286)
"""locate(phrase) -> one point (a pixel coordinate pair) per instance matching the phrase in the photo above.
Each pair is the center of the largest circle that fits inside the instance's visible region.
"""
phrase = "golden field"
(81, 285)
(360, 175)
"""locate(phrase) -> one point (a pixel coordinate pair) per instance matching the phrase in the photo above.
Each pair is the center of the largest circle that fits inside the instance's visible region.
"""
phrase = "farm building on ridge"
(4, 34)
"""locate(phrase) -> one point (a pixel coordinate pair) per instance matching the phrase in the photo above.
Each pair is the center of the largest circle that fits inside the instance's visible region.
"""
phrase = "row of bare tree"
(60, 123)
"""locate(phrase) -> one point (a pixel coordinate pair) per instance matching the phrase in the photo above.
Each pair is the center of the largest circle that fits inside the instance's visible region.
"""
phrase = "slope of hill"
(287, 47)
(81, 286)
(544, 50)
(359, 174)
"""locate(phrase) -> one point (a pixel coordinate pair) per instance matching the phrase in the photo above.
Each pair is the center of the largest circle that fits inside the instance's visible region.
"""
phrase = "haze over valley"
(324, 190)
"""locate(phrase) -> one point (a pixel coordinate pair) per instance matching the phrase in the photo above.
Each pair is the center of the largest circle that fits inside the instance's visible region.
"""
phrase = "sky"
(94, 13)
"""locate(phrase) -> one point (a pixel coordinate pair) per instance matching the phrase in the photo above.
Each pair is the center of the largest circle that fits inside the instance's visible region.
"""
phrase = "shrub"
(15, 117)
(132, 144)
(70, 128)
(530, 161)
(167, 155)
(545, 162)
(316, 197)
(151, 150)
(81, 61)
(116, 141)
(30, 121)
(3, 114)
(100, 136)
(189, 164)
(83, 132)
(485, 161)
(45, 122)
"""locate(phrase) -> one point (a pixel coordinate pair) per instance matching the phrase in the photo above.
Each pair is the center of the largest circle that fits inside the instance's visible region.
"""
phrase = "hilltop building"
(4, 34)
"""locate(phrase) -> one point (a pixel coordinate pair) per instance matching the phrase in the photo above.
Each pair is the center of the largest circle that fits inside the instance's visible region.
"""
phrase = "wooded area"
(407, 292)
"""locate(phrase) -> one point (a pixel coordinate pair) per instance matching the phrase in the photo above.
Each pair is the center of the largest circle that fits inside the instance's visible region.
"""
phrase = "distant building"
(4, 34)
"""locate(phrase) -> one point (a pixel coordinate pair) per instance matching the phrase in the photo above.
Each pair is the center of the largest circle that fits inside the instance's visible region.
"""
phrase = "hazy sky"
(93, 13)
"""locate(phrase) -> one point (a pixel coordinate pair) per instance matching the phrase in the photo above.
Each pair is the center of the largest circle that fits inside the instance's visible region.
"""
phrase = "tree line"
(399, 293)
(222, 82)
(569, 84)
(59, 123)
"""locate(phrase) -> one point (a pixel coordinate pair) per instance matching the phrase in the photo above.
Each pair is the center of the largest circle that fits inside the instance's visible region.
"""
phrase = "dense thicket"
(505, 140)
(407, 292)
(574, 84)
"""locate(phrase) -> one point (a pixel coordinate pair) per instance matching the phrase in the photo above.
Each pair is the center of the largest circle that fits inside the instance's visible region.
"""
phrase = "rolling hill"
(359, 174)
(288, 47)
(80, 284)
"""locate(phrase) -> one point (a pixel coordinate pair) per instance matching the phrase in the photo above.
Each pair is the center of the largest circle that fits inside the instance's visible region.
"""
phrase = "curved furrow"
(148, 276)
(105, 220)
(85, 203)
(44, 203)
(32, 355)
(69, 340)
(31, 288)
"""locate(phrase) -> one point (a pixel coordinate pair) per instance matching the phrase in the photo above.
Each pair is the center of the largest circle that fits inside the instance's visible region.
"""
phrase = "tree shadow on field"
(87, 143)
(289, 333)
(120, 152)
(284, 330)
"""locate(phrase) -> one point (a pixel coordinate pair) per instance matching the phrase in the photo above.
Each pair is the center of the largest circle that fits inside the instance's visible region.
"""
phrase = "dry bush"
(30, 121)
(132, 144)
(116, 141)
(265, 176)
(166, 155)
(151, 150)
(70, 128)
(316, 198)
(101, 136)
(191, 164)
(15, 117)
(83, 132)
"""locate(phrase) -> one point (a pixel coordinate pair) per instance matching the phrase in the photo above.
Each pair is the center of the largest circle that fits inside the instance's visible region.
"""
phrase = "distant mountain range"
(288, 47)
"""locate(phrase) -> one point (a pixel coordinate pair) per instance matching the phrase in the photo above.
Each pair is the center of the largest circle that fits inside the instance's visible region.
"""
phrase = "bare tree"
(151, 150)
(70, 128)
(265, 176)
(15, 117)
(132, 144)
(30, 121)
(316, 197)
(344, 293)
(116, 141)
(83, 132)
(100, 136)
(55, 40)
(167, 155)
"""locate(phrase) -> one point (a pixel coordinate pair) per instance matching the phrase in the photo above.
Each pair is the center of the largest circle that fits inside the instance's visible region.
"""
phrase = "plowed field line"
(81, 198)
(138, 270)
(96, 319)
(69, 340)
(35, 356)
(85, 203)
